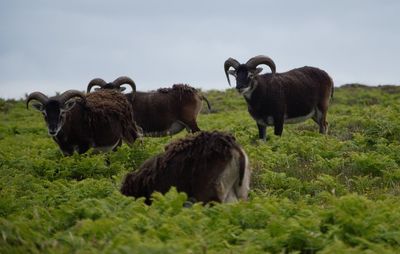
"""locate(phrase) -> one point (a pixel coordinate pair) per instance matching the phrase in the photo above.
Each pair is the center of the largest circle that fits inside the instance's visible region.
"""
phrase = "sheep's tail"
(242, 166)
(208, 103)
(332, 88)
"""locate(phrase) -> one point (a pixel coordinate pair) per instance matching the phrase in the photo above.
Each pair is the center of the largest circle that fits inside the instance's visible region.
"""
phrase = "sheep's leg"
(323, 127)
(191, 126)
(83, 148)
(316, 118)
(320, 118)
(189, 203)
(172, 130)
(67, 151)
(278, 124)
(175, 128)
(324, 110)
(262, 131)
(65, 148)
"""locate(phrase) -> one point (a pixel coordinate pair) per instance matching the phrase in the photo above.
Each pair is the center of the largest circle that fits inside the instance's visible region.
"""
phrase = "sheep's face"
(54, 114)
(244, 78)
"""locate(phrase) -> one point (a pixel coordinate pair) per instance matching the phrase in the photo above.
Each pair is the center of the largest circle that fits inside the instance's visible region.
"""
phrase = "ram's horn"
(37, 96)
(65, 96)
(125, 80)
(95, 82)
(228, 64)
(257, 60)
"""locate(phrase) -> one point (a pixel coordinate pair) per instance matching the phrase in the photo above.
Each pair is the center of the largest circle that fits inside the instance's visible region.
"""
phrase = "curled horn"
(125, 80)
(95, 82)
(65, 96)
(36, 96)
(257, 60)
(228, 64)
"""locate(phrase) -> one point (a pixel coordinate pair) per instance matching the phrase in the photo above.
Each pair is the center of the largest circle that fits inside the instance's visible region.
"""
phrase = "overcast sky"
(49, 45)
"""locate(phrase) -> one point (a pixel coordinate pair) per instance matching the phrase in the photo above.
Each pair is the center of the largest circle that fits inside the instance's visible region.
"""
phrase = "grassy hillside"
(310, 193)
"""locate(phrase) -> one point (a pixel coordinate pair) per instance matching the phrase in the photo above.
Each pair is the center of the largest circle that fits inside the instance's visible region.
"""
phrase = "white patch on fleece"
(246, 92)
(269, 122)
(270, 119)
(242, 191)
(300, 118)
(106, 148)
(227, 179)
(228, 187)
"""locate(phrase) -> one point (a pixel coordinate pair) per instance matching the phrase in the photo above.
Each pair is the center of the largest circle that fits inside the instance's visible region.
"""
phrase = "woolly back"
(178, 89)
(190, 164)
(201, 145)
(302, 78)
(108, 106)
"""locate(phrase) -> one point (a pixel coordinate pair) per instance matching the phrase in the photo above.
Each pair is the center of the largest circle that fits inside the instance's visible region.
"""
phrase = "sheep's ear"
(38, 106)
(97, 89)
(232, 72)
(121, 89)
(69, 105)
(257, 71)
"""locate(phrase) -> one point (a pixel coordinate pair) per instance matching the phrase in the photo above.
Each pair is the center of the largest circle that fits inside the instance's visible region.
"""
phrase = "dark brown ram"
(166, 111)
(209, 166)
(277, 98)
(78, 122)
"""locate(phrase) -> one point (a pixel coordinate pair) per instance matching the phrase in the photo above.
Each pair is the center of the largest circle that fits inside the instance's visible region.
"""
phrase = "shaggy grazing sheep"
(209, 166)
(78, 122)
(277, 98)
(164, 112)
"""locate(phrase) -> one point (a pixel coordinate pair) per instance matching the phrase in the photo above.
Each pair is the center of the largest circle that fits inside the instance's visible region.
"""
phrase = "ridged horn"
(228, 64)
(95, 82)
(36, 96)
(257, 60)
(65, 96)
(125, 80)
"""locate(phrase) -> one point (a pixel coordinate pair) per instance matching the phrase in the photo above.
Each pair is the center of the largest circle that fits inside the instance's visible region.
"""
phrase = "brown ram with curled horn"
(78, 122)
(166, 111)
(277, 98)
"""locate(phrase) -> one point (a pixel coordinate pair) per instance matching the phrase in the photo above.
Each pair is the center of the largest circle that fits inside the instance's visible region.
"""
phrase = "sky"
(53, 45)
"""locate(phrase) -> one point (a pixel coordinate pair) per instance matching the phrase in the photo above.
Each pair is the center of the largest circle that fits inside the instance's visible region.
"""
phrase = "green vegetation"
(310, 193)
